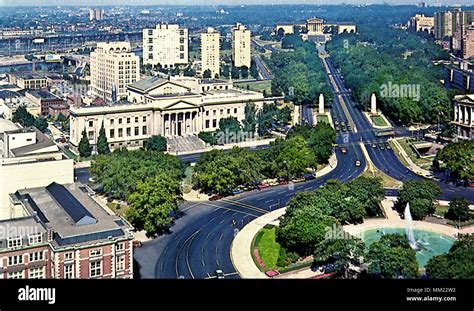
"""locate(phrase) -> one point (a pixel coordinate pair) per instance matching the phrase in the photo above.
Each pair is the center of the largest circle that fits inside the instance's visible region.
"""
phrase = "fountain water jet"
(409, 228)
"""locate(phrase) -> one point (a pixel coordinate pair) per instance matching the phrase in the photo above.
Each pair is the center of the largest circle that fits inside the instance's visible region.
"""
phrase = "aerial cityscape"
(288, 141)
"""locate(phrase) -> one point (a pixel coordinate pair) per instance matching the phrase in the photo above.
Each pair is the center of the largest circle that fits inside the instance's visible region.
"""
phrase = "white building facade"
(241, 54)
(166, 45)
(113, 67)
(179, 106)
(464, 116)
(210, 51)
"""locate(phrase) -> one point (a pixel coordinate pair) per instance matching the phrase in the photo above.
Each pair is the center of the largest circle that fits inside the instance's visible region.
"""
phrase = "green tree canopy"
(459, 159)
(156, 143)
(85, 149)
(102, 143)
(458, 210)
(421, 194)
(392, 257)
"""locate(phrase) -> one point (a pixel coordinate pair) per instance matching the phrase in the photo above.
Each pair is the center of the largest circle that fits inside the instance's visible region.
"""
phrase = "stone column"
(321, 103)
(373, 104)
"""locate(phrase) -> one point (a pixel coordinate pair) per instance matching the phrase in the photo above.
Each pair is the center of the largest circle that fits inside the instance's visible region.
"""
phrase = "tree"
(341, 252)
(121, 171)
(284, 115)
(85, 149)
(208, 137)
(244, 72)
(421, 194)
(392, 257)
(458, 210)
(207, 74)
(152, 203)
(102, 144)
(254, 70)
(156, 143)
(250, 120)
(225, 72)
(458, 158)
(22, 116)
(320, 141)
(235, 73)
(458, 263)
(306, 229)
(294, 158)
(369, 191)
(265, 118)
(41, 124)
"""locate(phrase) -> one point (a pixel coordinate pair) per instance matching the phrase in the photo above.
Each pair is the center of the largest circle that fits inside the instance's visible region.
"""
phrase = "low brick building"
(64, 233)
(45, 99)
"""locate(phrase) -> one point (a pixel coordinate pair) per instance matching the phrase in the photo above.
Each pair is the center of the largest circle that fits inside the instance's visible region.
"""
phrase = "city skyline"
(12, 3)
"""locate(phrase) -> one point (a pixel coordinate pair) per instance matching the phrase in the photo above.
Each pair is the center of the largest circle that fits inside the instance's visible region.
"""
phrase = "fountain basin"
(429, 243)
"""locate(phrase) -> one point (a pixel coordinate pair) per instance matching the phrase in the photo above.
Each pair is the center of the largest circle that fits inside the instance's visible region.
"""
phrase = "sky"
(215, 2)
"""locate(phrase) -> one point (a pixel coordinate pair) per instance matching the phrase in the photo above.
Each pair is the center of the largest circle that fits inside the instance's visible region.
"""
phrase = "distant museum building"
(177, 106)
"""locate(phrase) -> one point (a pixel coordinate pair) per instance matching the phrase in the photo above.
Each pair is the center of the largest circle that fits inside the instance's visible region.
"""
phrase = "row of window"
(221, 112)
(34, 273)
(19, 259)
(128, 132)
(120, 120)
(16, 242)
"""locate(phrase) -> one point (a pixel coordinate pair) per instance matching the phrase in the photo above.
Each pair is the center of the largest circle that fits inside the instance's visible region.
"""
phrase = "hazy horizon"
(13, 3)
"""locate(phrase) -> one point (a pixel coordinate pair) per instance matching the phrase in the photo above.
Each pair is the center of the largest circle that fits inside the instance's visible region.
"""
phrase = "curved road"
(199, 242)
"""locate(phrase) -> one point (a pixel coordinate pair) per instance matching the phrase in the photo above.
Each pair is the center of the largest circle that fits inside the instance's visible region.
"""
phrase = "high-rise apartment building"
(113, 67)
(241, 46)
(166, 45)
(210, 48)
(96, 14)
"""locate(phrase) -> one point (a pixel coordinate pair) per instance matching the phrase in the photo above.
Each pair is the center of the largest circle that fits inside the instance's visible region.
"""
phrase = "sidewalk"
(412, 166)
(241, 248)
(245, 144)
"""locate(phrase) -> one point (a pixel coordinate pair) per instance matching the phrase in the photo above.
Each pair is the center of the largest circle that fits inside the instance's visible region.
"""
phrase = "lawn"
(117, 208)
(387, 181)
(268, 247)
(422, 162)
(322, 118)
(258, 86)
(378, 121)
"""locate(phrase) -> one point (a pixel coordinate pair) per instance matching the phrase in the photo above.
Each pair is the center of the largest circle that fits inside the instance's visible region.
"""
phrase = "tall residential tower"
(210, 49)
(166, 45)
(241, 46)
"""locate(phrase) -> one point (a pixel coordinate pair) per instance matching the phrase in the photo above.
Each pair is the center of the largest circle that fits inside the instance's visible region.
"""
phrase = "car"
(310, 176)
(297, 180)
(343, 123)
(237, 191)
(338, 129)
(263, 186)
(329, 268)
(357, 163)
(387, 145)
(220, 274)
(381, 146)
(343, 149)
(336, 122)
(349, 128)
(374, 145)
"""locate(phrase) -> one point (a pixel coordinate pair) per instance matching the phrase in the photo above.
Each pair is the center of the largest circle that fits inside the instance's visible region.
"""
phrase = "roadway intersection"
(199, 243)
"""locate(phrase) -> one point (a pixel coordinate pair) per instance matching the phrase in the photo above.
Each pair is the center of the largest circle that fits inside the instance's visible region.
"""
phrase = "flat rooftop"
(72, 214)
(43, 95)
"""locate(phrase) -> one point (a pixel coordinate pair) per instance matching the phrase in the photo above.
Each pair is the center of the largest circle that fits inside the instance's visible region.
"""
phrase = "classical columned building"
(179, 106)
(464, 116)
(314, 26)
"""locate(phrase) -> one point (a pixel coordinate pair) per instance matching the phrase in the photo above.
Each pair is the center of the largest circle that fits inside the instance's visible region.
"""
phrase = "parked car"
(357, 163)
(381, 146)
(237, 191)
(216, 197)
(309, 176)
(374, 145)
(387, 145)
(344, 150)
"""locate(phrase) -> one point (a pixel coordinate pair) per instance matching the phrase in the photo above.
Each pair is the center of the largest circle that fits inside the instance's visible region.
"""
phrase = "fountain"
(409, 228)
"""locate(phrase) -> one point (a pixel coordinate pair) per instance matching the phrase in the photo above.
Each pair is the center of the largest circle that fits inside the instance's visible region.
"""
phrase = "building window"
(16, 275)
(111, 121)
(15, 260)
(214, 123)
(129, 131)
(68, 256)
(137, 131)
(214, 112)
(128, 120)
(136, 119)
(36, 273)
(228, 110)
(68, 271)
(14, 242)
(112, 133)
(120, 247)
(95, 252)
(120, 132)
(144, 130)
(222, 111)
(144, 118)
(235, 110)
(91, 123)
(120, 263)
(95, 268)
(207, 113)
(207, 124)
(35, 239)
(91, 135)
(120, 120)
(36, 256)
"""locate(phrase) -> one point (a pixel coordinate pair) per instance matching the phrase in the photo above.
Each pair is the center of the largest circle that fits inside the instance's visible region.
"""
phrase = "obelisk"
(373, 104)
(321, 103)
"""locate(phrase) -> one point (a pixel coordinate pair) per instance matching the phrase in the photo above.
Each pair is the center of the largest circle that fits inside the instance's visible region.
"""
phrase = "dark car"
(216, 197)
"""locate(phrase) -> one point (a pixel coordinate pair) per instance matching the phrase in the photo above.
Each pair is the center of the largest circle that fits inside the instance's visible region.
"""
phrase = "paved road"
(199, 242)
